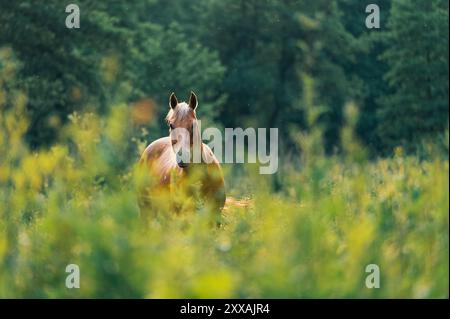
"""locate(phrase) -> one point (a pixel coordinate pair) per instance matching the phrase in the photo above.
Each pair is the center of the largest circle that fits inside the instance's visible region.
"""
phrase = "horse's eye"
(171, 126)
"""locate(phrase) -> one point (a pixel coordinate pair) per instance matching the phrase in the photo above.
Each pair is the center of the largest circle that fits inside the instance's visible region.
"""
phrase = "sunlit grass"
(77, 203)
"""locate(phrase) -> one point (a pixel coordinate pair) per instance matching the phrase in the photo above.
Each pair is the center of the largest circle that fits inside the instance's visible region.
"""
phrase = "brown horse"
(171, 164)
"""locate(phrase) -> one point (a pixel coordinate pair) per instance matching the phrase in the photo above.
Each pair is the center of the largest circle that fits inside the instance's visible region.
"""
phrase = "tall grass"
(76, 203)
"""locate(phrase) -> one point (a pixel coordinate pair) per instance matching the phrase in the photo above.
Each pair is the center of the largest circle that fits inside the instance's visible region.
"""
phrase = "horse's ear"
(173, 101)
(193, 102)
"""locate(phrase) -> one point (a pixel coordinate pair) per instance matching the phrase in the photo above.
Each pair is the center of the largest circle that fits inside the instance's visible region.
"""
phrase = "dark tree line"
(245, 59)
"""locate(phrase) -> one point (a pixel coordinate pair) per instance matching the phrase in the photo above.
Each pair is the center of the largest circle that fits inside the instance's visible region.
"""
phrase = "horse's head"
(183, 128)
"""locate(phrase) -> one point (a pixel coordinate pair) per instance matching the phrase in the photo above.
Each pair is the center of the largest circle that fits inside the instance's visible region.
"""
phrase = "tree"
(417, 56)
(59, 65)
(266, 45)
(328, 48)
(367, 71)
(117, 55)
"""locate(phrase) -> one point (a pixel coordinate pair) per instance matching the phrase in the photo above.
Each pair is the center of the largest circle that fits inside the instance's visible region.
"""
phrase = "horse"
(170, 162)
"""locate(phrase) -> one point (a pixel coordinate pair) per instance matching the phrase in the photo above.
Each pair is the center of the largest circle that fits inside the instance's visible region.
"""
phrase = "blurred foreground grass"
(76, 203)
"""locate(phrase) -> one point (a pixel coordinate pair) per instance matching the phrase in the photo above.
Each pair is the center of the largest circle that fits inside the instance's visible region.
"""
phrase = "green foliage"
(417, 56)
(117, 55)
(367, 70)
(244, 58)
(60, 67)
(265, 45)
(339, 93)
(73, 203)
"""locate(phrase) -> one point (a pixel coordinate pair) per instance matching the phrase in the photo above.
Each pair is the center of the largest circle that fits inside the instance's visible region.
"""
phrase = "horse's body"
(173, 175)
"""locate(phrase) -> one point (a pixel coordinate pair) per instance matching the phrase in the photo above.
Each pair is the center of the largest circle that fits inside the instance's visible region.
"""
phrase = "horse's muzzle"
(183, 165)
(182, 161)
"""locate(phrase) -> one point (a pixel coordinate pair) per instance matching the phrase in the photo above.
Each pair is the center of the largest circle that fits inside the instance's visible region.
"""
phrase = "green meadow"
(363, 176)
(76, 203)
